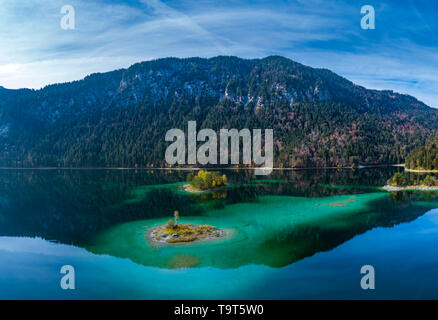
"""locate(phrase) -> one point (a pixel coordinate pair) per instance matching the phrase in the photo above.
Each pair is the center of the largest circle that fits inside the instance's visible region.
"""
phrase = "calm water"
(298, 235)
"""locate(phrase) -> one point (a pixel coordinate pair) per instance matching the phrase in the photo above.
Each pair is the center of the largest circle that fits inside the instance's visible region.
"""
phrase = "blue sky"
(399, 54)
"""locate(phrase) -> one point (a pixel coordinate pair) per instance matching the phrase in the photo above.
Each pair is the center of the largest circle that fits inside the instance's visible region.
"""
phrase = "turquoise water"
(272, 231)
(298, 236)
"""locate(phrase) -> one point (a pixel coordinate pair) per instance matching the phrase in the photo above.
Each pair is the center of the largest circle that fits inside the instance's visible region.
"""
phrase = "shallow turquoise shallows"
(297, 235)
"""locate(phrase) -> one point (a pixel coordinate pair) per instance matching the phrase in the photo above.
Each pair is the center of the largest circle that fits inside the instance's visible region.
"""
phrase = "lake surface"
(301, 234)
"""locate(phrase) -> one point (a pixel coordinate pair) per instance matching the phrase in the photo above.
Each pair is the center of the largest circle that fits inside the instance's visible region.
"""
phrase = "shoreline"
(195, 169)
(420, 188)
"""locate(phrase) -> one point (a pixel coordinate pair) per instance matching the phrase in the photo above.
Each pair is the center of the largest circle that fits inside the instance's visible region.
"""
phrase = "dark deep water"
(300, 234)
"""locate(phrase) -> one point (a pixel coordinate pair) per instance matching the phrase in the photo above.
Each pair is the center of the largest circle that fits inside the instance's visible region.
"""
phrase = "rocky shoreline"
(421, 170)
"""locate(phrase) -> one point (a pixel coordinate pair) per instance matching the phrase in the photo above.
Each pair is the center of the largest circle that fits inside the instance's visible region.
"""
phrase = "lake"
(299, 234)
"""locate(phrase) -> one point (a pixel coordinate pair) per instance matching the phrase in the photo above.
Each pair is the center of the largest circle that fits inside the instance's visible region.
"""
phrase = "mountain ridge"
(108, 119)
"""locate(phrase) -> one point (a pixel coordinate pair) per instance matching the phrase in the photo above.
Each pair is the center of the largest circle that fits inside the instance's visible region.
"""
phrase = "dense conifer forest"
(119, 118)
(424, 157)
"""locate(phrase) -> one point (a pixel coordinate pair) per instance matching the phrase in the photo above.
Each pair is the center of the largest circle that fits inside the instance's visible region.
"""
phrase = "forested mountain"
(119, 118)
(424, 157)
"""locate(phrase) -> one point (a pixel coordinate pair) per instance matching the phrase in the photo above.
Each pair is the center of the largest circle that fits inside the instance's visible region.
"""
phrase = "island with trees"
(205, 181)
(173, 232)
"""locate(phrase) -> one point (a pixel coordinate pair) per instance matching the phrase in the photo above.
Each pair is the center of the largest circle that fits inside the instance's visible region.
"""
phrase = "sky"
(400, 54)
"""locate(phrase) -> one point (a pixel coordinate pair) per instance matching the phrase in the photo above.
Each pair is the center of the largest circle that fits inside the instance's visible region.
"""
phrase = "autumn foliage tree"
(207, 180)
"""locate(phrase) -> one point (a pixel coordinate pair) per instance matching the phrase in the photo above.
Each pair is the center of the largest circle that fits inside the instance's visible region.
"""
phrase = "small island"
(402, 181)
(205, 181)
(174, 232)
